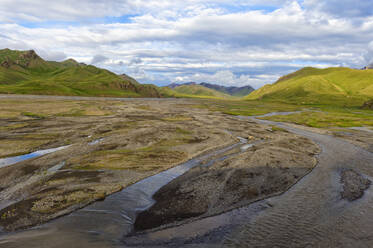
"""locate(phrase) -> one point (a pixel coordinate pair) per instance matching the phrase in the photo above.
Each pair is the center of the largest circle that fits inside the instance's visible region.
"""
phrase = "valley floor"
(109, 144)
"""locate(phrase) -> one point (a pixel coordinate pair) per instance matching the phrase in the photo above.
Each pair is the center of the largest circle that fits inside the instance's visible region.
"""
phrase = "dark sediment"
(264, 170)
(204, 192)
(354, 185)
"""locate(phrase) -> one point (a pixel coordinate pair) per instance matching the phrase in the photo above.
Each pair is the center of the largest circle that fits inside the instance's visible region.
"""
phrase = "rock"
(354, 185)
(368, 105)
(29, 55)
(6, 63)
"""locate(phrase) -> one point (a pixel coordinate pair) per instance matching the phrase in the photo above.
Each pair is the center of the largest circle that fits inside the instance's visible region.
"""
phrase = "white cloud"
(72, 10)
(52, 55)
(98, 59)
(342, 8)
(218, 41)
(227, 78)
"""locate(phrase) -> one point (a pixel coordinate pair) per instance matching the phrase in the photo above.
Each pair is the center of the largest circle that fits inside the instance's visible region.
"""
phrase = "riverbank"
(330, 207)
(265, 169)
(109, 145)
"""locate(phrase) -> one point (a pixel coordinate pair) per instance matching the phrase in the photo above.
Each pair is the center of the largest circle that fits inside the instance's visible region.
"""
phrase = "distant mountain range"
(231, 90)
(24, 72)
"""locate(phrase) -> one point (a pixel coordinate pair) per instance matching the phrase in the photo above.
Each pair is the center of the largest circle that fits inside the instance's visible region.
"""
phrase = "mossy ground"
(328, 118)
(246, 108)
(313, 115)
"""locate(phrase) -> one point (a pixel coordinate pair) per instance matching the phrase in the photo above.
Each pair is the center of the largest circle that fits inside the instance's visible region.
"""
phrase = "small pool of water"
(245, 147)
(95, 141)
(366, 129)
(4, 162)
(277, 113)
(57, 167)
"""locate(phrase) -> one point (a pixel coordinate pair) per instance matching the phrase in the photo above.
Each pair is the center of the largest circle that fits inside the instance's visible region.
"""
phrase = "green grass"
(194, 91)
(320, 116)
(199, 90)
(142, 159)
(33, 115)
(328, 118)
(275, 128)
(245, 108)
(24, 72)
(310, 86)
(72, 113)
(337, 92)
(182, 131)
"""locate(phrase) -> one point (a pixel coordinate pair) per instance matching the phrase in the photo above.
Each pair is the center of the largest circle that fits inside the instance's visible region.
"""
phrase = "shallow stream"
(105, 223)
(311, 214)
(16, 159)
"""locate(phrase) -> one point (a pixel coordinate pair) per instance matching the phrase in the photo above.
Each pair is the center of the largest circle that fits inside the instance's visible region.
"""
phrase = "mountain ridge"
(230, 90)
(25, 72)
(194, 90)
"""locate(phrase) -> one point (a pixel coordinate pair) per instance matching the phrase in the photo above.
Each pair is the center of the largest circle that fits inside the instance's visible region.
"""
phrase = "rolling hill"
(335, 86)
(193, 90)
(24, 72)
(227, 90)
(231, 90)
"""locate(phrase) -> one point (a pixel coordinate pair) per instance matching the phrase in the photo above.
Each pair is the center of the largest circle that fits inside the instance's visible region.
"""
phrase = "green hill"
(194, 91)
(335, 86)
(24, 72)
(230, 90)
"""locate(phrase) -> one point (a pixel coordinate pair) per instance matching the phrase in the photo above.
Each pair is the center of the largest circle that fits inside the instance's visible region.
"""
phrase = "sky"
(227, 42)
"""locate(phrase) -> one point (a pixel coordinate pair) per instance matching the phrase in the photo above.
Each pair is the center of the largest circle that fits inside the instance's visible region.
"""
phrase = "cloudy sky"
(228, 42)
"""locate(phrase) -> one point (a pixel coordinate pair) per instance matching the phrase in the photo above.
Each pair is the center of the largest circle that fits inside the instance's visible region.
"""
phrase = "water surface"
(13, 160)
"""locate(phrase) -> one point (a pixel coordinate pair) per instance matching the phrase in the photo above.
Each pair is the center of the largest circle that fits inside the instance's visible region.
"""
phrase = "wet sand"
(313, 213)
(262, 170)
(329, 207)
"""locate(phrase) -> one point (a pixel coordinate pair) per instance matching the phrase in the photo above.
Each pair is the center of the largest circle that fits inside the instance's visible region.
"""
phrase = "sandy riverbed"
(112, 144)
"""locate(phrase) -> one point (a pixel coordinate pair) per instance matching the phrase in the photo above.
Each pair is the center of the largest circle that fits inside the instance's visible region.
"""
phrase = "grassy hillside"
(230, 90)
(335, 86)
(242, 92)
(197, 91)
(24, 72)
